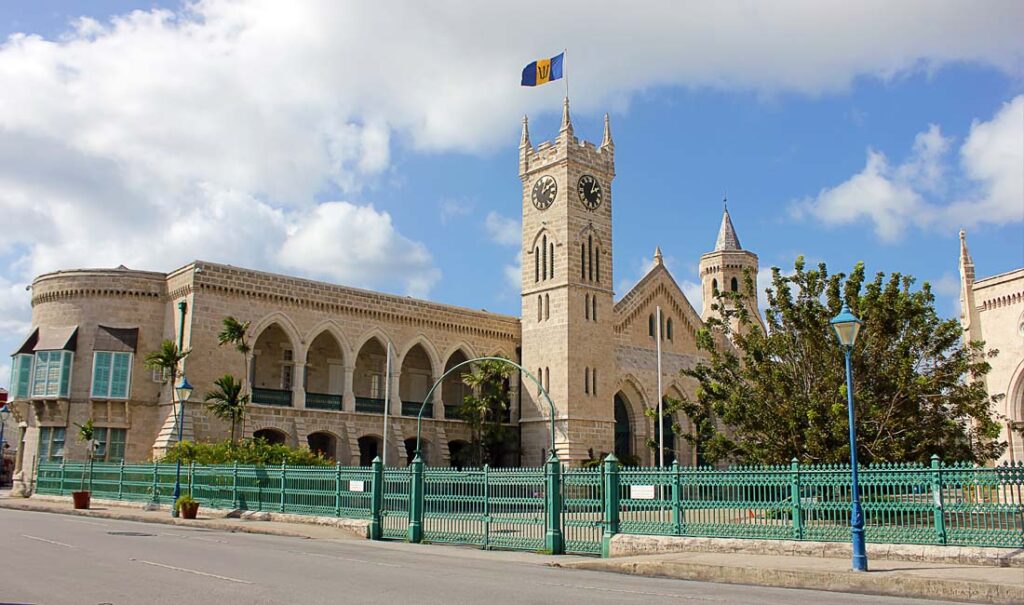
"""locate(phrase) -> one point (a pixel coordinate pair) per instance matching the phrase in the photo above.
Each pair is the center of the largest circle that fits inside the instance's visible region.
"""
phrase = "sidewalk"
(319, 528)
(940, 581)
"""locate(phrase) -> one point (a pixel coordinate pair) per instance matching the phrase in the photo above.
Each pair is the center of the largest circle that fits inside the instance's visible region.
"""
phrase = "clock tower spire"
(567, 315)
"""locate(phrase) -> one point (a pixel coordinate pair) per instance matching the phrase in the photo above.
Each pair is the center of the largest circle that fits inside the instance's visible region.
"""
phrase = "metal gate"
(582, 509)
(394, 512)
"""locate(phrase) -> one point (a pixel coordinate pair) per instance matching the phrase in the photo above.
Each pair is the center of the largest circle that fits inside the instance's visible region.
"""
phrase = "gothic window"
(547, 379)
(650, 325)
(586, 306)
(593, 381)
(735, 285)
(540, 378)
(586, 380)
(536, 264)
(552, 249)
(540, 308)
(668, 328)
(714, 286)
(590, 257)
(583, 261)
(597, 265)
(547, 306)
(593, 305)
(544, 252)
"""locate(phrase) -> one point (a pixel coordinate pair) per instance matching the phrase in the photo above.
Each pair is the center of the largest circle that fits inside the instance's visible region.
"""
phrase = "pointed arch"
(332, 327)
(284, 322)
(463, 346)
(541, 233)
(431, 351)
(591, 231)
(369, 335)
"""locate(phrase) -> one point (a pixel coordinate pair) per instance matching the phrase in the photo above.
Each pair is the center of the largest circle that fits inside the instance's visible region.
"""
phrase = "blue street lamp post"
(184, 392)
(5, 413)
(846, 326)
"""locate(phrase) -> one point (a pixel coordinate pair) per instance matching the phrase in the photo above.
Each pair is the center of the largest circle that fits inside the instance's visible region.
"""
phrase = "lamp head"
(846, 326)
(5, 413)
(184, 389)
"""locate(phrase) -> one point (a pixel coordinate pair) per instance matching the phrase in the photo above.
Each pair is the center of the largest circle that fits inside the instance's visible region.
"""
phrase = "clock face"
(544, 192)
(590, 191)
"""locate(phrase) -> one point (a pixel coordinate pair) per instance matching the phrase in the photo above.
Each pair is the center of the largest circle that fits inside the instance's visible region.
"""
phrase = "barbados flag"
(543, 71)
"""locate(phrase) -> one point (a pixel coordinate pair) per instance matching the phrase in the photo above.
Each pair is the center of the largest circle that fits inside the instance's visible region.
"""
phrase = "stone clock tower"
(567, 319)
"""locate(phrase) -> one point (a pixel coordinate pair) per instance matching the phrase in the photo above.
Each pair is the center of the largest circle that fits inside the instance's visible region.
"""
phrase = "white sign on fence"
(641, 492)
(356, 486)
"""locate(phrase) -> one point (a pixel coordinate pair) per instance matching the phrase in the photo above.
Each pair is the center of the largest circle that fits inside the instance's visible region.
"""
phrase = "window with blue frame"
(109, 444)
(51, 443)
(111, 375)
(21, 376)
(51, 374)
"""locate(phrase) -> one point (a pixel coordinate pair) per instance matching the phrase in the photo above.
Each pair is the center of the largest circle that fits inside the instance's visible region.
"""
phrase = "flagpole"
(565, 70)
(387, 400)
(661, 420)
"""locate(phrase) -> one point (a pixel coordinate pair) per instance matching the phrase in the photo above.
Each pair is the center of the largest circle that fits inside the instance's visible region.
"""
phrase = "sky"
(375, 144)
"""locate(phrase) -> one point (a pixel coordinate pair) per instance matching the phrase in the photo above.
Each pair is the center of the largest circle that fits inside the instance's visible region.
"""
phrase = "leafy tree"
(782, 394)
(247, 451)
(236, 334)
(483, 410)
(87, 434)
(166, 359)
(227, 402)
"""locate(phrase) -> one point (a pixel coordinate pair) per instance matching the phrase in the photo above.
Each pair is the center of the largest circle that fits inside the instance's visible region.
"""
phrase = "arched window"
(597, 265)
(586, 306)
(536, 264)
(540, 378)
(586, 380)
(540, 308)
(668, 328)
(547, 307)
(593, 381)
(552, 247)
(735, 285)
(544, 255)
(590, 257)
(650, 325)
(547, 378)
(583, 261)
(714, 286)
(593, 311)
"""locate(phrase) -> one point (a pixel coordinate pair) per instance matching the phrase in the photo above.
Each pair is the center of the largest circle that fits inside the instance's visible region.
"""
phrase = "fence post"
(940, 516)
(155, 489)
(120, 480)
(553, 542)
(284, 469)
(677, 513)
(416, 501)
(90, 473)
(795, 502)
(337, 489)
(234, 485)
(487, 506)
(191, 477)
(611, 503)
(376, 498)
(60, 489)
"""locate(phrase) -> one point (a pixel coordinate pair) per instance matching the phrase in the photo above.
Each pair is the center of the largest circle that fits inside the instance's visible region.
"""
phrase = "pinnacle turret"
(566, 121)
(658, 259)
(606, 140)
(524, 141)
(727, 238)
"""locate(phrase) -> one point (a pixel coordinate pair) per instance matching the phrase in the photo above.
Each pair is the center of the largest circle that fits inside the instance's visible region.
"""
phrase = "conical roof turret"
(727, 238)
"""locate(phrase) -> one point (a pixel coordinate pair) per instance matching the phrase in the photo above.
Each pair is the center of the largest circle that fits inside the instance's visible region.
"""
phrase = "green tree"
(87, 434)
(166, 359)
(227, 402)
(778, 395)
(483, 410)
(236, 334)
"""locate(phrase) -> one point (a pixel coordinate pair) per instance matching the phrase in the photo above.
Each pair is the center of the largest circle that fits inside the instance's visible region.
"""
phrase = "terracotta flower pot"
(81, 499)
(189, 509)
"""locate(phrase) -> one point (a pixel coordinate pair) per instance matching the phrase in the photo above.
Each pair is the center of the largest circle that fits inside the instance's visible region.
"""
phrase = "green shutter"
(39, 375)
(21, 377)
(65, 374)
(115, 445)
(101, 374)
(44, 443)
(99, 436)
(119, 377)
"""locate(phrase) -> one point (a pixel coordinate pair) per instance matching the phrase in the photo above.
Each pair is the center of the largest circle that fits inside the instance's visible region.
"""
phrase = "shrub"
(246, 451)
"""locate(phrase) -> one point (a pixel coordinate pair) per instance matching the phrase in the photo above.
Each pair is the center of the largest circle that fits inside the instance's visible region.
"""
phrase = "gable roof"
(657, 281)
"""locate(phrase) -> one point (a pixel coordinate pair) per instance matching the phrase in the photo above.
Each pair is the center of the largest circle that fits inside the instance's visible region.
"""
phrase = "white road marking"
(313, 554)
(192, 571)
(670, 595)
(37, 538)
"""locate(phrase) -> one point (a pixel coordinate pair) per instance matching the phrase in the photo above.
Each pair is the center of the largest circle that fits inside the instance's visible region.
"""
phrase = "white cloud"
(357, 245)
(947, 289)
(503, 230)
(918, 191)
(454, 208)
(514, 273)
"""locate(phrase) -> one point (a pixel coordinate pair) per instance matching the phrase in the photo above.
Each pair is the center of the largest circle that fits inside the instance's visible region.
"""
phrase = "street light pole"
(184, 392)
(846, 326)
(4, 413)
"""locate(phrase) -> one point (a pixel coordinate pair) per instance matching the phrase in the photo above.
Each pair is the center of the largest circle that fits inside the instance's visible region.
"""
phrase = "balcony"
(451, 411)
(276, 397)
(370, 405)
(323, 401)
(412, 408)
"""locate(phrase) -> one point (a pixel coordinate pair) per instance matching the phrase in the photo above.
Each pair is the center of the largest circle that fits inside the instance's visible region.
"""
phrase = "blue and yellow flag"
(543, 71)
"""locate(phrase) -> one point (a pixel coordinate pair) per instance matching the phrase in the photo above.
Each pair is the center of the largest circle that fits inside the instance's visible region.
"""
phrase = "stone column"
(437, 398)
(348, 399)
(299, 383)
(396, 395)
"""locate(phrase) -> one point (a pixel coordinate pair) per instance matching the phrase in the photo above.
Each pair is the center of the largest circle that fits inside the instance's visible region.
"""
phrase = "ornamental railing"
(412, 408)
(323, 401)
(956, 504)
(370, 405)
(278, 397)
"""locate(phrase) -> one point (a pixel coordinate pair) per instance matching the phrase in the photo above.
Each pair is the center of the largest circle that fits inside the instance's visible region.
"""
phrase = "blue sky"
(379, 149)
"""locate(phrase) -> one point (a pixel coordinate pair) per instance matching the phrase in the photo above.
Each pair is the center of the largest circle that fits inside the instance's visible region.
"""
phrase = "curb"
(831, 581)
(213, 523)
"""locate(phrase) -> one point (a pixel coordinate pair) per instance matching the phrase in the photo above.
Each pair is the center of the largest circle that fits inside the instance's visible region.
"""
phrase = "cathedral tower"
(723, 269)
(567, 314)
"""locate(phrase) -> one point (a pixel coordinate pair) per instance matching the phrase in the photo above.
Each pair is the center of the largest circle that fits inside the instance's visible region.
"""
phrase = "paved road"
(56, 559)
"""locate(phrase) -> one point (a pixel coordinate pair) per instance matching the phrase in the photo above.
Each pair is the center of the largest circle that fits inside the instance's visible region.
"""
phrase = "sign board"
(356, 486)
(641, 492)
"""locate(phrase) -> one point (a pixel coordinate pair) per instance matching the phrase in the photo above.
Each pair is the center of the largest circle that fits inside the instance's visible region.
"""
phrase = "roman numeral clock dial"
(589, 190)
(544, 192)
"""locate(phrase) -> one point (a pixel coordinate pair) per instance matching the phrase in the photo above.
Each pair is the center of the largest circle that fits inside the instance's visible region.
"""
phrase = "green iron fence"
(958, 504)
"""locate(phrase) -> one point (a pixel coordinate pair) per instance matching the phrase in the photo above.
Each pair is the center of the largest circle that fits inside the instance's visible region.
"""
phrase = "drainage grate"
(129, 533)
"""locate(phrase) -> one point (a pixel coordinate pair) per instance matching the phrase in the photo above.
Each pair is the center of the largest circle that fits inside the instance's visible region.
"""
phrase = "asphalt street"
(57, 559)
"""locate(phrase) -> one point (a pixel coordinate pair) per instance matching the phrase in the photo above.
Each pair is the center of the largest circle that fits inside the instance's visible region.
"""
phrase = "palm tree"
(235, 333)
(227, 402)
(166, 359)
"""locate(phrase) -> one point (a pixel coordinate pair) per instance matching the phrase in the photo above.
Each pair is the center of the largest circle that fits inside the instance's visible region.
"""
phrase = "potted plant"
(86, 433)
(187, 506)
